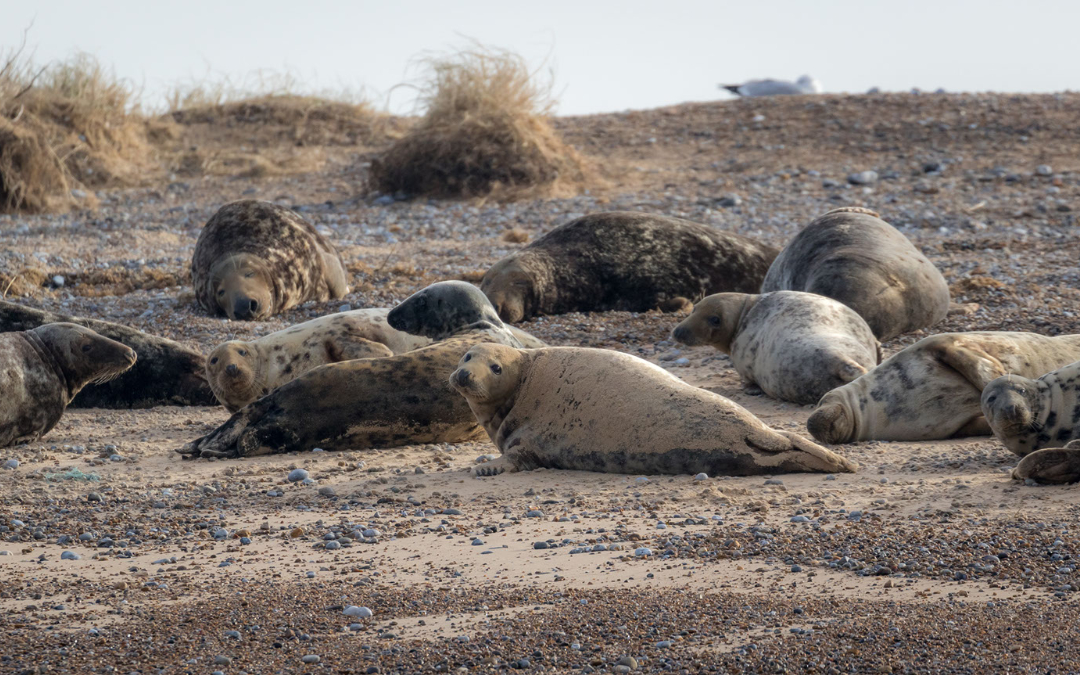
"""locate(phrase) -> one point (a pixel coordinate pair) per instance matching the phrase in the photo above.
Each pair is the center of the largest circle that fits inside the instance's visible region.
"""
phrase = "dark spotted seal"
(1028, 415)
(167, 373)
(600, 410)
(367, 403)
(623, 261)
(1051, 465)
(852, 255)
(443, 308)
(42, 369)
(932, 389)
(795, 346)
(255, 259)
(240, 372)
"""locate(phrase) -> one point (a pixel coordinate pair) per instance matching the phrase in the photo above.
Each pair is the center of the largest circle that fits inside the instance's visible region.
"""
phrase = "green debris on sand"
(72, 474)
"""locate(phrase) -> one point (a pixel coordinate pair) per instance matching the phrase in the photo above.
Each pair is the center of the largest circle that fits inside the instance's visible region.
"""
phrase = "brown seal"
(794, 346)
(240, 372)
(623, 261)
(255, 259)
(601, 410)
(42, 369)
(851, 255)
(167, 373)
(932, 389)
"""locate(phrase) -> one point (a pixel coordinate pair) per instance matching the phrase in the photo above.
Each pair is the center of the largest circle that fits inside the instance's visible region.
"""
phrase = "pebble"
(69, 555)
(297, 475)
(11, 464)
(702, 476)
(311, 658)
(863, 178)
(359, 612)
(1044, 170)
(643, 552)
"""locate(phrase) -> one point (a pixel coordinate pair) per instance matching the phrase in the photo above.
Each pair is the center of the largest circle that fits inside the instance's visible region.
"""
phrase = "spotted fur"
(1028, 415)
(601, 410)
(42, 369)
(932, 389)
(258, 252)
(852, 255)
(794, 346)
(445, 307)
(623, 261)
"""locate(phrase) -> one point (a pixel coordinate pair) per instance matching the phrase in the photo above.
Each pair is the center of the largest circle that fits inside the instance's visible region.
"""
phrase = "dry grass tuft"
(67, 125)
(515, 235)
(23, 283)
(485, 131)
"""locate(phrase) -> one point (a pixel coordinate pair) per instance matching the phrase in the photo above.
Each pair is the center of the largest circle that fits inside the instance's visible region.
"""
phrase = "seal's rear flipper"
(1055, 466)
(816, 458)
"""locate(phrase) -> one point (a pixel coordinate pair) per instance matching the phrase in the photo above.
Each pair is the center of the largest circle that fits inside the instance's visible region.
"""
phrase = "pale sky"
(607, 55)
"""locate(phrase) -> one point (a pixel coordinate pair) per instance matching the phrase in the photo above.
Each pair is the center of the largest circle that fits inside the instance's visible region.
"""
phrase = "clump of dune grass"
(64, 126)
(485, 130)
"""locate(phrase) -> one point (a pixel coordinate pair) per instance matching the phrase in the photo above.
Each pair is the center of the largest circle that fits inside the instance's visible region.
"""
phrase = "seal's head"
(242, 288)
(1010, 404)
(833, 421)
(714, 320)
(512, 290)
(233, 371)
(488, 374)
(82, 355)
(442, 309)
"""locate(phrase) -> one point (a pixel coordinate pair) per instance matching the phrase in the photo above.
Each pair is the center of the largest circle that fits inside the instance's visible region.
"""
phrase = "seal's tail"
(817, 458)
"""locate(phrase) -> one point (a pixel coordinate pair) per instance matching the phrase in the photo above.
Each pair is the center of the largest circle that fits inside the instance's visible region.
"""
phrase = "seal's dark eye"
(213, 360)
(992, 399)
(221, 292)
(86, 347)
(249, 275)
(496, 368)
(468, 356)
(243, 353)
(714, 321)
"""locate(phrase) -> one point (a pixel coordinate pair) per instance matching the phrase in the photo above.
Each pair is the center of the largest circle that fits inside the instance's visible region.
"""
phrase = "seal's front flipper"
(972, 363)
(1055, 466)
(494, 467)
(356, 349)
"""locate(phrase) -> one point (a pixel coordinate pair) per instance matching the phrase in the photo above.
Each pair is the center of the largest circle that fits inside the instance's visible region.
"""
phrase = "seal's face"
(1008, 402)
(487, 374)
(713, 321)
(833, 421)
(511, 290)
(232, 371)
(242, 290)
(442, 309)
(85, 356)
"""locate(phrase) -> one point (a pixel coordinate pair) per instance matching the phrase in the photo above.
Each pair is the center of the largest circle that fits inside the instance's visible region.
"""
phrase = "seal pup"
(600, 410)
(794, 346)
(1051, 465)
(167, 373)
(932, 389)
(1028, 415)
(42, 369)
(851, 255)
(254, 259)
(623, 261)
(366, 403)
(241, 371)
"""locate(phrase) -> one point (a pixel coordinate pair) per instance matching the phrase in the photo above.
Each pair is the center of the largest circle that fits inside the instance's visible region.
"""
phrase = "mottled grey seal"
(623, 261)
(240, 371)
(366, 403)
(254, 259)
(167, 373)
(444, 307)
(1028, 415)
(932, 389)
(795, 346)
(852, 255)
(1051, 465)
(601, 410)
(42, 369)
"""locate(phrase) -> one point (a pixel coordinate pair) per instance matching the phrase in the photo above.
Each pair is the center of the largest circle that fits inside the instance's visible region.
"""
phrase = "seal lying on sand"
(600, 410)
(255, 259)
(623, 261)
(852, 255)
(1051, 465)
(932, 389)
(443, 307)
(42, 369)
(795, 346)
(240, 372)
(167, 373)
(1028, 415)
(367, 403)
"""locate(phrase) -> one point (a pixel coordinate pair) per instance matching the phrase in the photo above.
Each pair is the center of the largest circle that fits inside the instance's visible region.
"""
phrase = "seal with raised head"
(442, 308)
(932, 389)
(794, 346)
(1027, 414)
(366, 403)
(1051, 465)
(852, 255)
(167, 372)
(254, 259)
(241, 371)
(623, 261)
(42, 369)
(601, 410)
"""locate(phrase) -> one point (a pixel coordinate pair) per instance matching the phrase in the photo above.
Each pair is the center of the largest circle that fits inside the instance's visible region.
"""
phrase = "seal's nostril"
(254, 306)
(231, 369)
(462, 377)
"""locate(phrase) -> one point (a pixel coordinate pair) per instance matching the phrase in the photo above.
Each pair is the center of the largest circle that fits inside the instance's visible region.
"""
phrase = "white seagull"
(803, 85)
